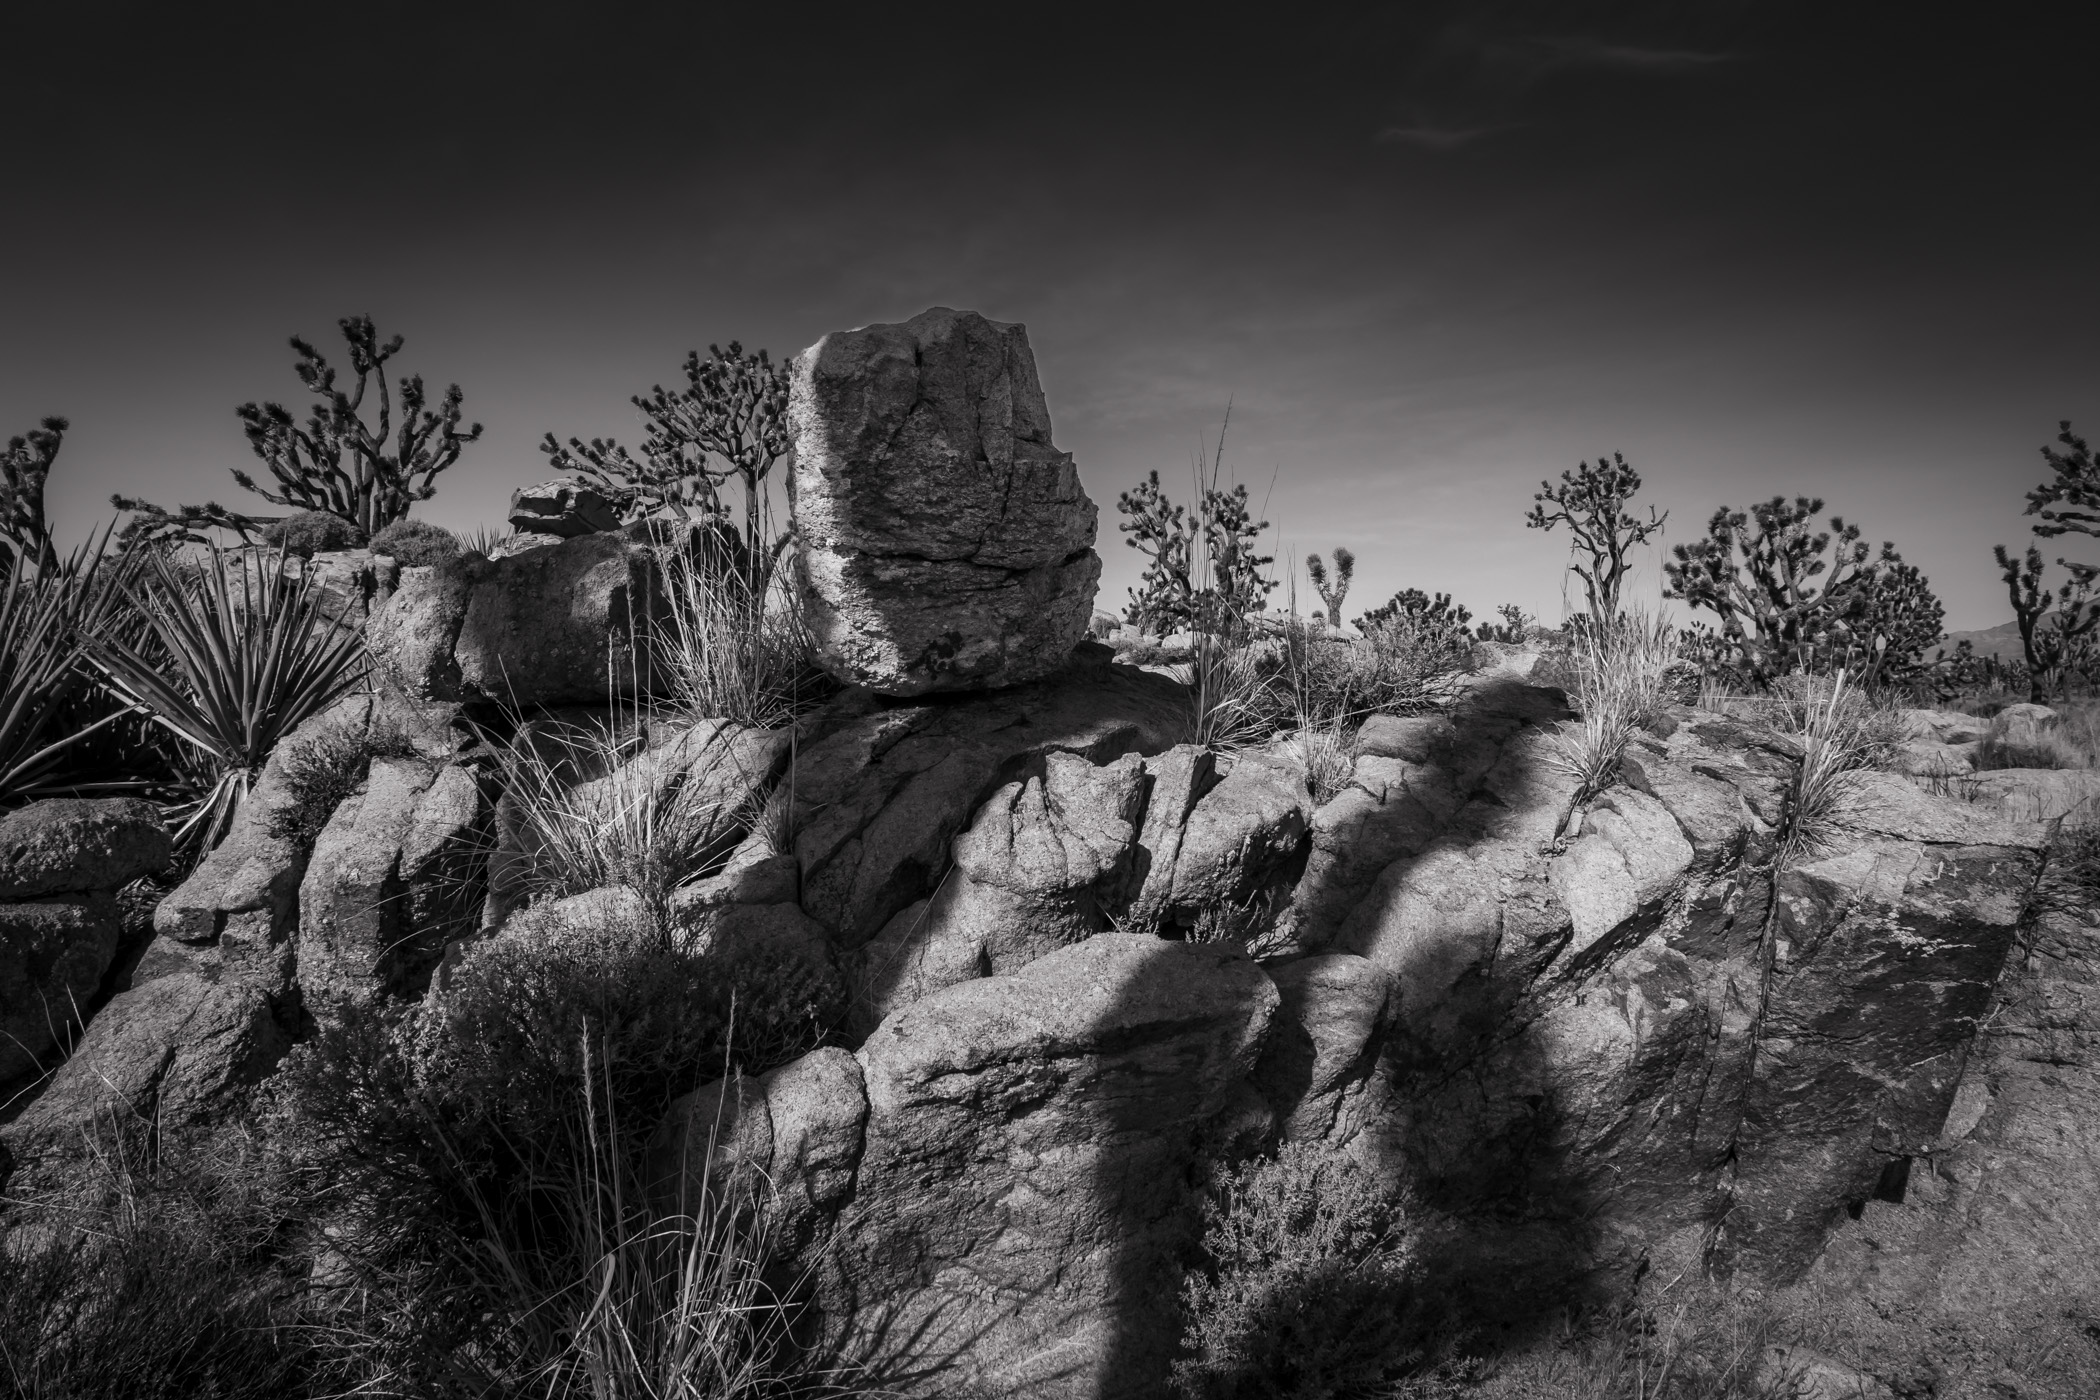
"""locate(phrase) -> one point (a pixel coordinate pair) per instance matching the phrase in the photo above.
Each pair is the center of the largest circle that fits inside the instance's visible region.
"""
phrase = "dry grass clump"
(1838, 738)
(1622, 675)
(736, 648)
(1232, 701)
(644, 825)
(477, 1160)
(1706, 1348)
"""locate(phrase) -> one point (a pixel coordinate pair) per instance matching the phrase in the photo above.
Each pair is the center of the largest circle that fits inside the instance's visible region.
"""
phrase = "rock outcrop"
(943, 542)
(61, 863)
(567, 624)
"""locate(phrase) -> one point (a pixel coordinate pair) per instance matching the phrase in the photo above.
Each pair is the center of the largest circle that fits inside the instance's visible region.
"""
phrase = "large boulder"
(943, 542)
(69, 844)
(565, 507)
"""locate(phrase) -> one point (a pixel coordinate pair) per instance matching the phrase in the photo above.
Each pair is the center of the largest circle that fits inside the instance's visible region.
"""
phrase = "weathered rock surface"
(567, 624)
(175, 1052)
(53, 952)
(1043, 864)
(564, 507)
(943, 542)
(67, 845)
(1021, 1196)
(398, 873)
(242, 900)
(353, 582)
(878, 800)
(1974, 1260)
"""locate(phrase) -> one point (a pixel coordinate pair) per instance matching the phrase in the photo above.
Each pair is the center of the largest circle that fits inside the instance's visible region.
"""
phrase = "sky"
(1429, 253)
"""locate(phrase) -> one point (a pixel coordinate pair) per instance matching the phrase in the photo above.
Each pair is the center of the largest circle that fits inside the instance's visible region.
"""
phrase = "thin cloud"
(1435, 138)
(1576, 52)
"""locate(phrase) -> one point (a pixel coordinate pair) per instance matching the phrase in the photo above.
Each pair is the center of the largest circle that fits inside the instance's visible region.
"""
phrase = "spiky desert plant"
(1332, 592)
(367, 471)
(1591, 501)
(240, 664)
(25, 467)
(1622, 682)
(728, 423)
(48, 620)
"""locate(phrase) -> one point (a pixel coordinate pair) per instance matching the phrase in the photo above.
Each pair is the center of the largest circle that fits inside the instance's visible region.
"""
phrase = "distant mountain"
(2002, 640)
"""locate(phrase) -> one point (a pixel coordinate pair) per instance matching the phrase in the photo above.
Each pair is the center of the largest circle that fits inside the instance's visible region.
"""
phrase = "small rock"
(563, 508)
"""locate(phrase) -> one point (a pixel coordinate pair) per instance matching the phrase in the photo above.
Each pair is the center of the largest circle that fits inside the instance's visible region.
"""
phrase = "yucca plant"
(47, 618)
(245, 663)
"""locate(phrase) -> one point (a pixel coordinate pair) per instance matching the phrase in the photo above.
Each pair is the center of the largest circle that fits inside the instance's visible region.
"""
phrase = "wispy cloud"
(1579, 52)
(1436, 138)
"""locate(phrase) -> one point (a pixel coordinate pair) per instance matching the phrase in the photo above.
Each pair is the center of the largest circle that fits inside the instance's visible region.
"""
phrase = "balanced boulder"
(944, 543)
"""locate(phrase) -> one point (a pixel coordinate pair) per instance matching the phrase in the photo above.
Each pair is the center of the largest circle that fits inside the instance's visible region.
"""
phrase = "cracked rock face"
(944, 543)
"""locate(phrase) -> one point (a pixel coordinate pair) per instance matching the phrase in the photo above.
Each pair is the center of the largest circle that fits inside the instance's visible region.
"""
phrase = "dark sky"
(1431, 252)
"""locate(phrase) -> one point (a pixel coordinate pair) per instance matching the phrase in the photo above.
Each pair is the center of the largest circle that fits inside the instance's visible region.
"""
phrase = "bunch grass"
(1622, 674)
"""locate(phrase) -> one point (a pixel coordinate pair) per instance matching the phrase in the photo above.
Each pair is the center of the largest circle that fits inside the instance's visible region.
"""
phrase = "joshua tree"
(24, 468)
(1792, 597)
(2056, 630)
(1333, 593)
(729, 421)
(2071, 503)
(366, 472)
(1592, 501)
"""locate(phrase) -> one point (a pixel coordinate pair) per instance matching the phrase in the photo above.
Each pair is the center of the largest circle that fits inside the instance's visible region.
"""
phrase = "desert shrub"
(311, 532)
(478, 1154)
(1705, 1349)
(2072, 742)
(1311, 1287)
(417, 544)
(1401, 665)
